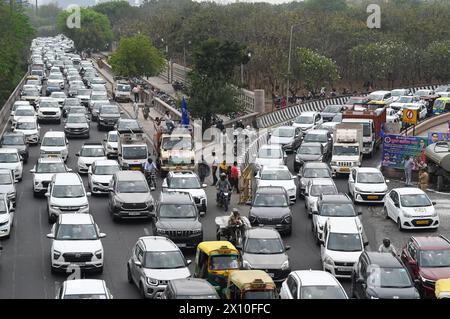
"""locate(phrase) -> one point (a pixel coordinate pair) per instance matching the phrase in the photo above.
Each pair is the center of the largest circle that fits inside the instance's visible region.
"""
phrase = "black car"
(271, 207)
(128, 126)
(308, 152)
(189, 288)
(382, 276)
(16, 140)
(330, 111)
(108, 115)
(178, 219)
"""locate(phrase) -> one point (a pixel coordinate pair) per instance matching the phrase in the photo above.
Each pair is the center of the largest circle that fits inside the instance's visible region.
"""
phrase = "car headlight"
(160, 231)
(426, 280)
(328, 261)
(246, 265)
(54, 207)
(358, 189)
(118, 203)
(100, 118)
(149, 203)
(152, 281)
(373, 297)
(11, 194)
(291, 191)
(81, 164)
(99, 254)
(285, 265)
(252, 218)
(84, 206)
(287, 219)
(358, 163)
(333, 163)
(406, 214)
(56, 254)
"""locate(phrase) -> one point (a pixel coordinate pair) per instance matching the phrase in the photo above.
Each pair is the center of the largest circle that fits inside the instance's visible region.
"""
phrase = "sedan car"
(308, 121)
(29, 127)
(367, 184)
(308, 152)
(16, 140)
(278, 176)
(89, 153)
(411, 208)
(108, 115)
(315, 188)
(76, 125)
(270, 154)
(100, 175)
(288, 137)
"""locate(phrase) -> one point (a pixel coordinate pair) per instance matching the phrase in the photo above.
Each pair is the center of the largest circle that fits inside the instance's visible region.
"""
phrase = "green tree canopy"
(94, 32)
(136, 56)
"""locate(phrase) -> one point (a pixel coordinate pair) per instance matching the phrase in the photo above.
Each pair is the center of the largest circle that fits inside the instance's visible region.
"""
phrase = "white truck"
(132, 151)
(347, 147)
(121, 91)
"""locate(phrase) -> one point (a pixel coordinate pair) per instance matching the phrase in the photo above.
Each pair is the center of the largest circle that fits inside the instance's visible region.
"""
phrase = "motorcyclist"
(386, 247)
(223, 185)
(150, 170)
(234, 222)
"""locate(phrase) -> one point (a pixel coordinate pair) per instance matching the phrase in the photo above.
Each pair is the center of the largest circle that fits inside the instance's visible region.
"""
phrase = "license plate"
(181, 245)
(343, 269)
(372, 197)
(135, 168)
(345, 169)
(134, 213)
(422, 222)
(178, 167)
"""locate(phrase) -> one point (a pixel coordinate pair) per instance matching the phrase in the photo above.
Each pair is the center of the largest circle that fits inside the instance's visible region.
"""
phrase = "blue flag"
(184, 113)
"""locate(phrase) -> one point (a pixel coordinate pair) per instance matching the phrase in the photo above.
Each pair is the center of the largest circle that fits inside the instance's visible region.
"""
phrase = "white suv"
(29, 127)
(55, 144)
(84, 289)
(154, 262)
(66, 194)
(89, 153)
(49, 110)
(43, 172)
(11, 159)
(367, 184)
(342, 247)
(278, 176)
(100, 175)
(76, 242)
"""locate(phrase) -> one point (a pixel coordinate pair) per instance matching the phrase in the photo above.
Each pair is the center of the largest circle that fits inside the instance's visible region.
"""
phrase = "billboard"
(434, 137)
(397, 147)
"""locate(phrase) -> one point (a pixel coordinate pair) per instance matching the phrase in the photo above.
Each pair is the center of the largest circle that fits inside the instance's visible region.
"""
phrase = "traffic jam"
(90, 211)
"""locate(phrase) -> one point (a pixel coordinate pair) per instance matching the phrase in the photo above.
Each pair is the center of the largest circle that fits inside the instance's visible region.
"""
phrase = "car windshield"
(44, 104)
(76, 232)
(58, 95)
(276, 175)
(337, 210)
(434, 258)
(344, 242)
(99, 97)
(72, 102)
(259, 294)
(346, 150)
(26, 125)
(86, 296)
(13, 140)
(30, 92)
(322, 292)
(332, 109)
(24, 112)
(397, 92)
(132, 187)
(269, 153)
(77, 110)
(5, 179)
(415, 200)
(9, 158)
(113, 138)
(388, 277)
(164, 260)
(106, 169)
(422, 93)
(68, 191)
(264, 246)
(222, 262)
(53, 167)
(53, 141)
(284, 132)
(128, 125)
(376, 97)
(316, 173)
(123, 87)
(310, 150)
(134, 152)
(177, 143)
(92, 152)
(316, 190)
(268, 200)
(184, 183)
(304, 119)
(310, 137)
(370, 178)
(443, 89)
(177, 211)
(405, 99)
(110, 110)
(84, 92)
(76, 119)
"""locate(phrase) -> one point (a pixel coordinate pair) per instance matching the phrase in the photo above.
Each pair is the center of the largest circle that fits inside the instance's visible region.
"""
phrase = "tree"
(436, 58)
(135, 57)
(313, 69)
(94, 32)
(210, 87)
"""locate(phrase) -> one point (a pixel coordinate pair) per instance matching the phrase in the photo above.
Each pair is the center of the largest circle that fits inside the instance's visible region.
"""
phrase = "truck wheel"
(440, 183)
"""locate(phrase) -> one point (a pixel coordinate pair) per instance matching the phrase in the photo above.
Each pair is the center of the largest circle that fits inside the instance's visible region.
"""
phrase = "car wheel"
(142, 291)
(129, 277)
(399, 224)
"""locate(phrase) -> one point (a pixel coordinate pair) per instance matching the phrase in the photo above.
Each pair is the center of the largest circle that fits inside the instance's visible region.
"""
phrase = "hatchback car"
(89, 153)
(111, 144)
(153, 263)
(16, 140)
(108, 115)
(315, 188)
(23, 111)
(189, 288)
(84, 289)
(43, 172)
(278, 176)
(7, 185)
(320, 136)
(308, 121)
(11, 159)
(100, 175)
(367, 184)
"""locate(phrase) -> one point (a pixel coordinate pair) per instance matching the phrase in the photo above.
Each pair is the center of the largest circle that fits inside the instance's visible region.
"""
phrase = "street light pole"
(289, 62)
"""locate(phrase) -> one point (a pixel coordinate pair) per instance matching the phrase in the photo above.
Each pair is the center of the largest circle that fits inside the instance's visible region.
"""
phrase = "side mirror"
(412, 262)
(70, 170)
(189, 262)
(397, 205)
(360, 281)
(202, 214)
(50, 236)
(359, 211)
(204, 185)
(287, 247)
(77, 154)
(387, 181)
(138, 263)
(433, 203)
(88, 194)
(32, 171)
(47, 194)
(101, 235)
(248, 203)
(315, 212)
(366, 243)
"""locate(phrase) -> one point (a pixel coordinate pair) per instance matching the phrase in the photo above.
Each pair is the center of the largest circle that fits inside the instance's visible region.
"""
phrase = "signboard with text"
(434, 137)
(397, 147)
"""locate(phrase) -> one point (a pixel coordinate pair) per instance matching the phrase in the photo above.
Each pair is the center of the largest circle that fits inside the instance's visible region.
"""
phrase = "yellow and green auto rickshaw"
(215, 260)
(250, 284)
(441, 105)
(442, 288)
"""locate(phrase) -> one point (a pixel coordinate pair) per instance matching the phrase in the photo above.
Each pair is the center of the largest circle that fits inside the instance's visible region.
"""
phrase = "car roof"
(270, 146)
(383, 259)
(317, 131)
(380, 92)
(322, 181)
(310, 144)
(262, 232)
(275, 167)
(129, 175)
(181, 173)
(315, 278)
(91, 145)
(175, 198)
(409, 191)
(343, 226)
(69, 178)
(5, 171)
(25, 107)
(75, 219)
(337, 198)
(431, 242)
(192, 287)
(308, 113)
(54, 134)
(368, 170)
(24, 119)
(315, 165)
(158, 243)
(84, 286)
(50, 160)
(106, 162)
(8, 150)
(270, 190)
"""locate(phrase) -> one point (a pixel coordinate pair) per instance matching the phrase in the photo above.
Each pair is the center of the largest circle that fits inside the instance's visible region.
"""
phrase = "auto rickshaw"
(250, 284)
(215, 260)
(441, 105)
(442, 289)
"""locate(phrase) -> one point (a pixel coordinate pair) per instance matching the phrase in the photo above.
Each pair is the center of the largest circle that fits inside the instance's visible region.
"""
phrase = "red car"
(427, 259)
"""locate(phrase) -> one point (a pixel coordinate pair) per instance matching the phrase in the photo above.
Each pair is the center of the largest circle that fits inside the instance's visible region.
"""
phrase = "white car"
(420, 108)
(308, 121)
(411, 208)
(76, 241)
(404, 100)
(49, 110)
(315, 188)
(384, 96)
(397, 93)
(343, 244)
(55, 144)
(23, 111)
(312, 284)
(278, 176)
(43, 172)
(6, 216)
(423, 93)
(30, 128)
(187, 181)
(60, 97)
(367, 184)
(97, 96)
(89, 153)
(66, 194)
(288, 137)
(153, 263)
(270, 154)
(11, 159)
(392, 116)
(16, 105)
(443, 91)
(111, 144)
(84, 289)
(100, 174)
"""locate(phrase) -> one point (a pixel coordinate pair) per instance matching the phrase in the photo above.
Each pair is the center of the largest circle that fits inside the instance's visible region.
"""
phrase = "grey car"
(108, 115)
(16, 140)
(271, 207)
(189, 288)
(177, 218)
(7, 185)
(76, 125)
(129, 196)
(311, 170)
(322, 136)
(308, 152)
(264, 249)
(330, 111)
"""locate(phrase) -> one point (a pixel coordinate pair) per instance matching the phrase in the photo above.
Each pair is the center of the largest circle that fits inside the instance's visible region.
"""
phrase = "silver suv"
(153, 263)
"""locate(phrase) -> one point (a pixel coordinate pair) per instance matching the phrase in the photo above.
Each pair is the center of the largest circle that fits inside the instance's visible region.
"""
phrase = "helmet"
(235, 211)
(386, 242)
(223, 176)
(150, 160)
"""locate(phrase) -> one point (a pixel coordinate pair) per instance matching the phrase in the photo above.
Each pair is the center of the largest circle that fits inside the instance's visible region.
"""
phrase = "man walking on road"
(234, 177)
(423, 179)
(408, 169)
(214, 166)
(203, 170)
(136, 93)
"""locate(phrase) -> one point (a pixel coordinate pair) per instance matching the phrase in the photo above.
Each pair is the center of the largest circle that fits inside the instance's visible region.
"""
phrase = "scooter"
(151, 180)
(223, 200)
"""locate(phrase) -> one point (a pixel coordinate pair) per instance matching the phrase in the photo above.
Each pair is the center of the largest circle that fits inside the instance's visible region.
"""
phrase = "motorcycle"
(223, 200)
(151, 179)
